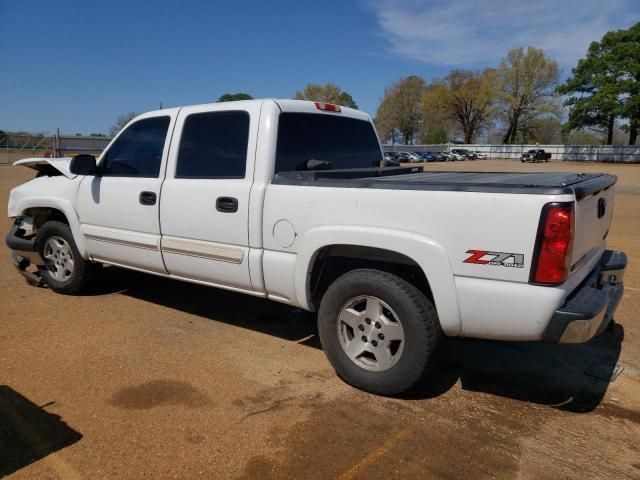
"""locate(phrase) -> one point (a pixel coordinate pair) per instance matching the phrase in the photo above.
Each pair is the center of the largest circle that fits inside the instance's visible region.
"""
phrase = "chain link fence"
(14, 147)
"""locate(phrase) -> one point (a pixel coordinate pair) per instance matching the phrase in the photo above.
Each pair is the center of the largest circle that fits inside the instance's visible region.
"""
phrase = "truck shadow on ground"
(28, 432)
(568, 377)
(573, 378)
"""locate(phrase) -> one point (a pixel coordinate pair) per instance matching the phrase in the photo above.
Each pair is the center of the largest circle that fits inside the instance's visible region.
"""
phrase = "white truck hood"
(60, 164)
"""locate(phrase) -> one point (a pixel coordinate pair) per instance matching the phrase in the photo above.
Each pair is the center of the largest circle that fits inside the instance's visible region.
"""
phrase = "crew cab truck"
(535, 156)
(285, 200)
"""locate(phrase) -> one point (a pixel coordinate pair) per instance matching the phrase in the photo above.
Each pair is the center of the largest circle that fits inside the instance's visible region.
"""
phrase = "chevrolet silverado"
(287, 200)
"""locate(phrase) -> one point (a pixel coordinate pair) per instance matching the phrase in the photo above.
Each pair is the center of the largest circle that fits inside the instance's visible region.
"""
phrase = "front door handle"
(227, 204)
(148, 198)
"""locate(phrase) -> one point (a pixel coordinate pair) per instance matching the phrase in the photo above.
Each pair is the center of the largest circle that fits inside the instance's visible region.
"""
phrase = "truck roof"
(285, 105)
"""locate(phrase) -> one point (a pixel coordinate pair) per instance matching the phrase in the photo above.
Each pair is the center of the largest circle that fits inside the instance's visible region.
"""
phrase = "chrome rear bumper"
(590, 308)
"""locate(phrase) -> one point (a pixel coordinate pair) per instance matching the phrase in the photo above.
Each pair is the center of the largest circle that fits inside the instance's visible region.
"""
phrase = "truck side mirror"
(83, 165)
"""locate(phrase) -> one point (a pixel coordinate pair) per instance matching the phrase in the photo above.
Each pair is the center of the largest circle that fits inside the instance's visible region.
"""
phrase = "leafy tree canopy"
(232, 97)
(329, 93)
(463, 98)
(400, 113)
(605, 85)
(525, 80)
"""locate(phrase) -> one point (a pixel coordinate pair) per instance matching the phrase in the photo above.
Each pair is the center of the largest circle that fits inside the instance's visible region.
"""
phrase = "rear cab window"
(305, 139)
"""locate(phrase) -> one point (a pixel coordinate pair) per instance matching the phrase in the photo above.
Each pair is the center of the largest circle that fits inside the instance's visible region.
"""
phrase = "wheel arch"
(46, 209)
(396, 247)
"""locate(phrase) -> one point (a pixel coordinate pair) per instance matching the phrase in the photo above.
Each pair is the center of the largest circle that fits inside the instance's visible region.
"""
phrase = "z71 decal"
(501, 259)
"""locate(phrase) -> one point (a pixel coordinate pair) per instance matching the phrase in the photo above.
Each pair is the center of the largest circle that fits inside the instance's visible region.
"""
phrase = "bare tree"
(121, 121)
(464, 98)
(526, 81)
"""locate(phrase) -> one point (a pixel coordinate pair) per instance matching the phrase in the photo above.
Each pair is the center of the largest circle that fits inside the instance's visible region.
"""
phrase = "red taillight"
(554, 245)
(327, 107)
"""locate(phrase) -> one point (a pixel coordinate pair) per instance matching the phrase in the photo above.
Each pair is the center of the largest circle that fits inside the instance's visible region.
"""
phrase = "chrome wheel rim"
(370, 333)
(58, 258)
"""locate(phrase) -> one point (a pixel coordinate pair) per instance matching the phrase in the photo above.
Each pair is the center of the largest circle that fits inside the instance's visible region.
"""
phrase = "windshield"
(309, 141)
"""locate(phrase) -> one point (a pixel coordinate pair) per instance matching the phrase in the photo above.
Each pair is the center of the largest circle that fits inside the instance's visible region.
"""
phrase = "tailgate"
(594, 210)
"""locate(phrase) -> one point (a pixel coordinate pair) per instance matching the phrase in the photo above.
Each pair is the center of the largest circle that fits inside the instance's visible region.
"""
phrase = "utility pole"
(56, 144)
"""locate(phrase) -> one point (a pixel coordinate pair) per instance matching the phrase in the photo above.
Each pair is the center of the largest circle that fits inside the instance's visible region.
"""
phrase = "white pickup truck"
(287, 200)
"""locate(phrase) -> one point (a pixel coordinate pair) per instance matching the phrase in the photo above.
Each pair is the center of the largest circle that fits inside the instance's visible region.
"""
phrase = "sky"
(78, 65)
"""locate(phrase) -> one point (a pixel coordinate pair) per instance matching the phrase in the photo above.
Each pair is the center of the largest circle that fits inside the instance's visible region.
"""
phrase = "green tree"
(526, 80)
(437, 123)
(400, 112)
(386, 125)
(464, 98)
(434, 134)
(121, 121)
(329, 93)
(605, 85)
(579, 137)
(232, 97)
(546, 130)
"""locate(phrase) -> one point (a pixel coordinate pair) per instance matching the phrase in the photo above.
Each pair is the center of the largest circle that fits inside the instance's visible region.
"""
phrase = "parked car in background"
(458, 154)
(389, 162)
(415, 157)
(438, 156)
(470, 155)
(535, 156)
(481, 155)
(403, 157)
(447, 156)
(425, 156)
(391, 156)
(408, 157)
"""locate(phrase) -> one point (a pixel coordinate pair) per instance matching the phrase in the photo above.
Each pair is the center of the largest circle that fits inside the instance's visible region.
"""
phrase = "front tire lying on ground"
(65, 271)
(379, 332)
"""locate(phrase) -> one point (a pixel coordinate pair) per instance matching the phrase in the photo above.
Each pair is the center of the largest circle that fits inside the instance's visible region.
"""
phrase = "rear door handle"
(227, 204)
(148, 198)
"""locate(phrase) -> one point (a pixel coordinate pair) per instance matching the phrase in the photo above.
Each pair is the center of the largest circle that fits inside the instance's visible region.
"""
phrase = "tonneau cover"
(554, 183)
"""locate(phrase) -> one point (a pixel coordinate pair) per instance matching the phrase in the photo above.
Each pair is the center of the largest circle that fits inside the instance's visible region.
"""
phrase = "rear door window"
(214, 145)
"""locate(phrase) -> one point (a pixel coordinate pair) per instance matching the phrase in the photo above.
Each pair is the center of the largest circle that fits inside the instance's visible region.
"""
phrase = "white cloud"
(480, 32)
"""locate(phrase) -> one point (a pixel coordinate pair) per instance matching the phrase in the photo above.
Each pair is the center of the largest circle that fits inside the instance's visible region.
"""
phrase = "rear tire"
(379, 332)
(65, 271)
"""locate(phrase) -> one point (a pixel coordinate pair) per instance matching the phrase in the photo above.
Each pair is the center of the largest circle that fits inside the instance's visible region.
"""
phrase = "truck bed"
(410, 178)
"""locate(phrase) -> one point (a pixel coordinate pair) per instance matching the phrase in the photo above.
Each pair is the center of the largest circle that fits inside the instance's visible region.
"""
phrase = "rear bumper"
(590, 308)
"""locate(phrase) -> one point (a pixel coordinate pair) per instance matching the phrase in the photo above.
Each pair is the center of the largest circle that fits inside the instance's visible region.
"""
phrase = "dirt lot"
(148, 377)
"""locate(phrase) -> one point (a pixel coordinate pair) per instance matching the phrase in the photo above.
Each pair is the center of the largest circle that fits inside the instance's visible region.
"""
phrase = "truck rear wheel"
(64, 271)
(379, 332)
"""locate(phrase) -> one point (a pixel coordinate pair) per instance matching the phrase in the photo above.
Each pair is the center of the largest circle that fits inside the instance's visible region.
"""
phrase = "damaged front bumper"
(24, 254)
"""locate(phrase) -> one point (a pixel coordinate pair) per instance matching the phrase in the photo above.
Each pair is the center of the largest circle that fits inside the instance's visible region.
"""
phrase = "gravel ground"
(148, 377)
